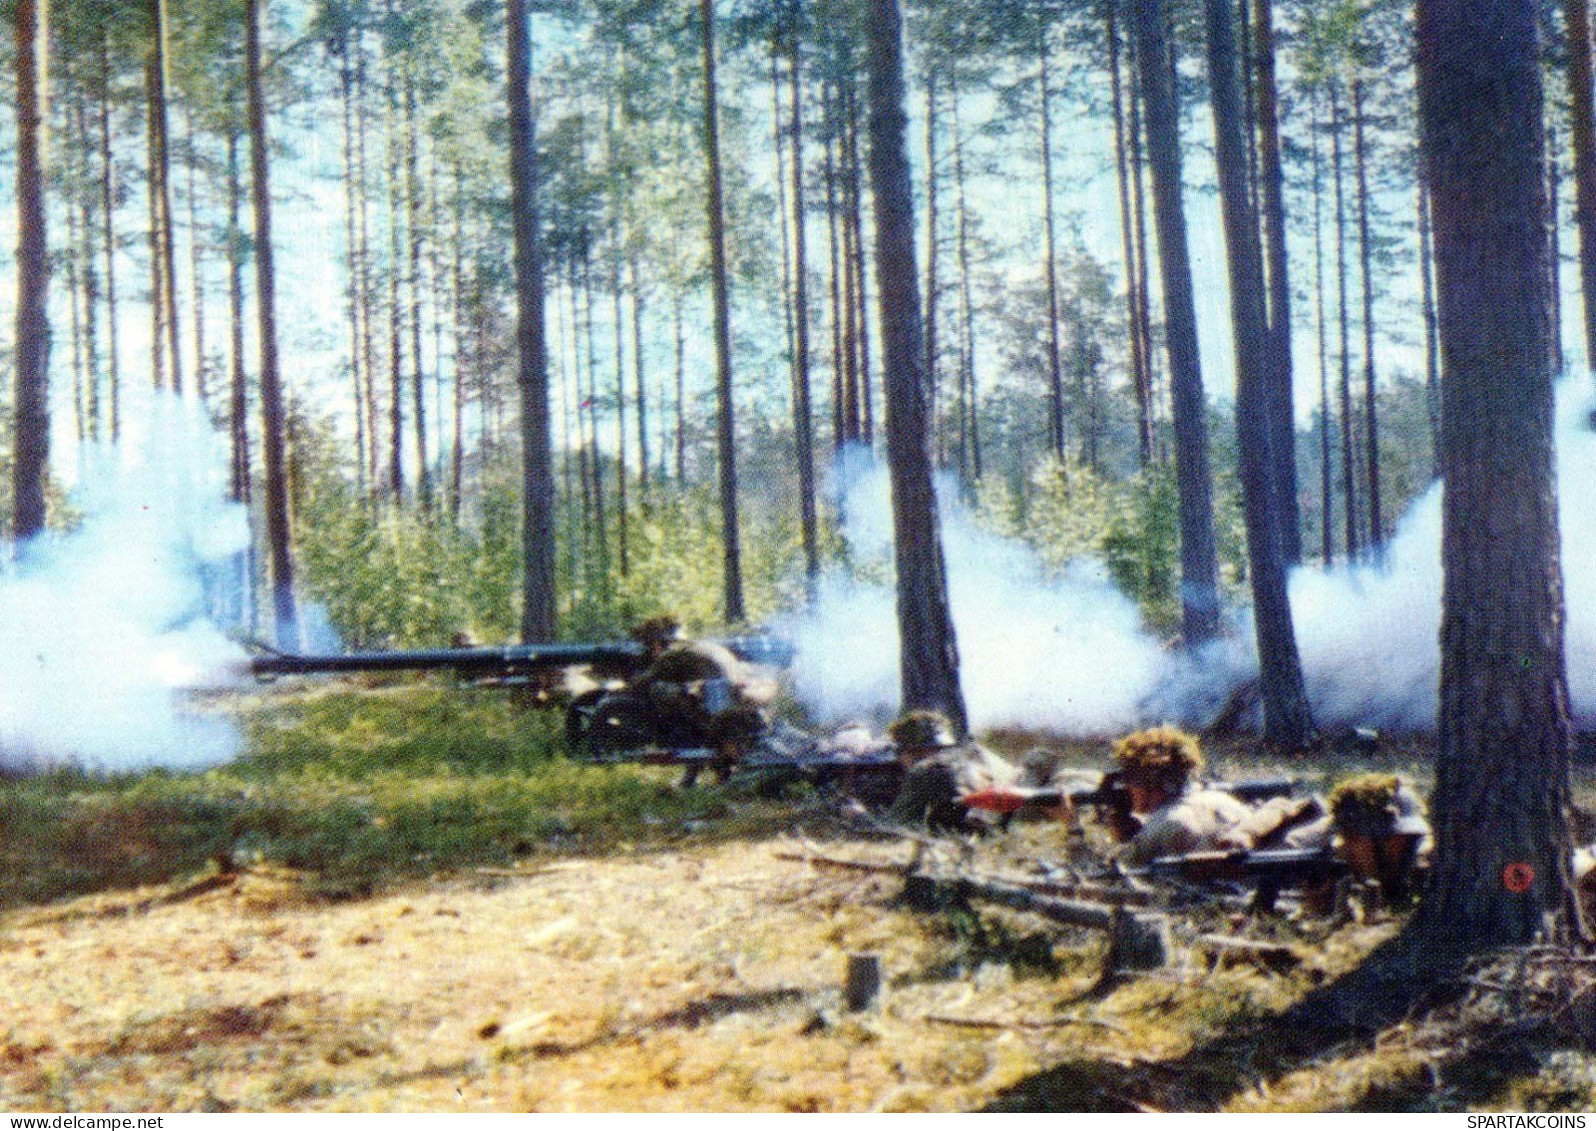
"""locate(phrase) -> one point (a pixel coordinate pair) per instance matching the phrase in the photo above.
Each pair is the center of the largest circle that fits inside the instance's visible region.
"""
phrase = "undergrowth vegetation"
(353, 788)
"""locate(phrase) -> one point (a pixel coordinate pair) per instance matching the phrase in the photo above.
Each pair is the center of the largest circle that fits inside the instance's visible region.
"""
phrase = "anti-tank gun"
(574, 676)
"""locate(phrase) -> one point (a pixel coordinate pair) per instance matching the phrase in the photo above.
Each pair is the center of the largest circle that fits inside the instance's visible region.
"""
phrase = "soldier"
(938, 770)
(1380, 830)
(688, 683)
(1167, 814)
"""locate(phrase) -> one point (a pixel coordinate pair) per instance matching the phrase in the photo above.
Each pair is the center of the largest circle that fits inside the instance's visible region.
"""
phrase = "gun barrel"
(623, 656)
(464, 661)
(1253, 790)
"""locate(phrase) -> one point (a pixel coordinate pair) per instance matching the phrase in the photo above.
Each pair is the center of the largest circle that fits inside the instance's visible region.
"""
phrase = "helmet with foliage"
(1163, 754)
(922, 730)
(657, 631)
(1378, 805)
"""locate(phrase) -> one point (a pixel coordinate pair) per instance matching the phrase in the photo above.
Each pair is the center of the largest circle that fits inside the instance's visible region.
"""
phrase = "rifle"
(1267, 871)
(871, 773)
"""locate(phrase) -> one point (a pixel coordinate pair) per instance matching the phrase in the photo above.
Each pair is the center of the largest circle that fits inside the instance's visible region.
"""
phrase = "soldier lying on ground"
(1168, 813)
(1376, 823)
(938, 770)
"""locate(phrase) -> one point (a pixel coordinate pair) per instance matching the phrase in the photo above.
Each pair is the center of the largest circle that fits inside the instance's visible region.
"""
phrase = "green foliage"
(1141, 546)
(676, 564)
(354, 789)
(1131, 525)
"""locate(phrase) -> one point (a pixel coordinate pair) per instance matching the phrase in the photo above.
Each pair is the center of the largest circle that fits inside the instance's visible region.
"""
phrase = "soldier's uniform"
(1195, 820)
(1170, 814)
(1376, 823)
(938, 771)
(690, 683)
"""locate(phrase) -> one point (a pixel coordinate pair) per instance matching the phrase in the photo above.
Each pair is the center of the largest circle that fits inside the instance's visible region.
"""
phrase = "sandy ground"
(705, 979)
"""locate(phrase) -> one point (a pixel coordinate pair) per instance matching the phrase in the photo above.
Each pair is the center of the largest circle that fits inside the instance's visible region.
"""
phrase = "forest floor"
(697, 966)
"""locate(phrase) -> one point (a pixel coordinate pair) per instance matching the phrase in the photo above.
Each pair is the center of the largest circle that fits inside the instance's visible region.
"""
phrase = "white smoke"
(1068, 653)
(103, 626)
(1063, 653)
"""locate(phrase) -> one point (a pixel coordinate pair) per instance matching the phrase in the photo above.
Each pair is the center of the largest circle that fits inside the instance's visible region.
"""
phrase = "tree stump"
(863, 985)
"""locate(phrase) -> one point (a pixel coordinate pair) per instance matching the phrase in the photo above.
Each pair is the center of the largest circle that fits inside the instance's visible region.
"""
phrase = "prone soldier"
(1378, 826)
(1166, 813)
(939, 770)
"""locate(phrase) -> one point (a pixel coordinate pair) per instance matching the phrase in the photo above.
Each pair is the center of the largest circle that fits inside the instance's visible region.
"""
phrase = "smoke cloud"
(1068, 653)
(103, 626)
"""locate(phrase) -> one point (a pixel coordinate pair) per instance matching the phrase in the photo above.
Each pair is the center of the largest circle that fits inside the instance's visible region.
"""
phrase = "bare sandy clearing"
(699, 980)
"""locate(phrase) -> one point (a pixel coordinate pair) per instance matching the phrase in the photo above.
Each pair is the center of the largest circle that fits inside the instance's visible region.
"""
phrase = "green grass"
(354, 788)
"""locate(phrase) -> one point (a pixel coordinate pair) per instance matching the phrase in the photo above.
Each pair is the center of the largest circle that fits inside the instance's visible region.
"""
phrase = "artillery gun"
(576, 677)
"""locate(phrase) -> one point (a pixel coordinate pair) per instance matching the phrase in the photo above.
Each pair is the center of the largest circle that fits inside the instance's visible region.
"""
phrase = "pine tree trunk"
(933, 257)
(1288, 724)
(167, 355)
(273, 419)
(412, 197)
(1349, 462)
(783, 216)
(367, 287)
(861, 302)
(725, 430)
(639, 384)
(31, 423)
(680, 333)
(803, 410)
(1272, 204)
(113, 374)
(346, 88)
(1144, 315)
(601, 527)
(1326, 479)
(85, 193)
(538, 604)
(1502, 795)
(852, 427)
(1199, 569)
(1140, 383)
(929, 658)
(240, 487)
(1055, 373)
(839, 430)
(1371, 434)
(463, 361)
(396, 379)
(196, 261)
(1582, 131)
(75, 324)
(622, 519)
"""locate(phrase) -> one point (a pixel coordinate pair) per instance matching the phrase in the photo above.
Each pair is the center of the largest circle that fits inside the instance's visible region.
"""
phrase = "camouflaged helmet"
(1377, 805)
(922, 730)
(1162, 754)
(658, 630)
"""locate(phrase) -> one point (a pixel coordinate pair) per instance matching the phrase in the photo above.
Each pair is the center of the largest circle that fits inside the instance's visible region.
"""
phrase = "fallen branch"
(1059, 1023)
(878, 866)
(1271, 956)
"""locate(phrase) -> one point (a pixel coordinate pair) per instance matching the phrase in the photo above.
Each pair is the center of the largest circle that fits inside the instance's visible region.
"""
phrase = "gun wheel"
(616, 724)
(579, 718)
